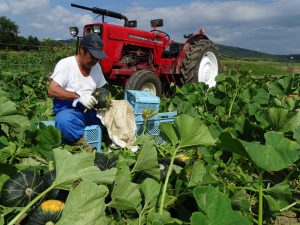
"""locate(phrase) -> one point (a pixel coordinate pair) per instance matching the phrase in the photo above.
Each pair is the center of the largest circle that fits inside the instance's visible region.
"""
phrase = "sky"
(270, 26)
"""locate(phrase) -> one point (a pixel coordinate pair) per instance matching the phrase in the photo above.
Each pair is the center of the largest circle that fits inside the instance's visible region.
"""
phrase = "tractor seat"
(172, 50)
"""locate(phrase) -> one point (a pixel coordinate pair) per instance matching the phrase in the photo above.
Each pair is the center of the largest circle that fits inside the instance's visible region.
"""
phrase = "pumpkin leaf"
(3, 141)
(155, 218)
(232, 144)
(70, 168)
(150, 189)
(147, 159)
(198, 173)
(281, 119)
(281, 190)
(277, 117)
(125, 194)
(190, 132)
(85, 205)
(276, 204)
(293, 122)
(212, 213)
(240, 201)
(198, 216)
(48, 138)
(7, 152)
(281, 87)
(261, 97)
(9, 114)
(277, 153)
(168, 133)
(187, 108)
(297, 134)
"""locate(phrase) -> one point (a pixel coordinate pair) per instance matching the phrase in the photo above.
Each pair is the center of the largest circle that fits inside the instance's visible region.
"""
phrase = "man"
(72, 83)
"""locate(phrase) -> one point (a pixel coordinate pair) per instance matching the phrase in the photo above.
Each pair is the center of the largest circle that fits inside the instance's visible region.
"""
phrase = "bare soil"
(288, 218)
(296, 69)
(292, 69)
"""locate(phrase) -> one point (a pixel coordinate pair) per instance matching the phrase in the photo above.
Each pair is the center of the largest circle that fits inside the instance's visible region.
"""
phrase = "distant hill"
(238, 53)
(246, 54)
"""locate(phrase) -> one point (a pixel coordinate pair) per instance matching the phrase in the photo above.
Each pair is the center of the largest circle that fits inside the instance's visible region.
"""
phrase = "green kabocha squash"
(48, 179)
(21, 188)
(164, 165)
(103, 97)
(103, 162)
(48, 213)
(57, 194)
(100, 161)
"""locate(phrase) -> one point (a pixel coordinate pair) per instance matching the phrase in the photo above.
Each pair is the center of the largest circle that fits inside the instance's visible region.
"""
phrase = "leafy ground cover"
(230, 157)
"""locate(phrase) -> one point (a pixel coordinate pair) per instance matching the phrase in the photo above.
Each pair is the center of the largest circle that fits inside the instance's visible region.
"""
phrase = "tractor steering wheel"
(164, 33)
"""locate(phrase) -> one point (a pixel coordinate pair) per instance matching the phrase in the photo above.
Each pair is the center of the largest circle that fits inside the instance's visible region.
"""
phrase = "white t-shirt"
(67, 74)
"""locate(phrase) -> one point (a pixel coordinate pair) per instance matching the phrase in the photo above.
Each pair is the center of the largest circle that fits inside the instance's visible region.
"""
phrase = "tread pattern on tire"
(193, 57)
(134, 81)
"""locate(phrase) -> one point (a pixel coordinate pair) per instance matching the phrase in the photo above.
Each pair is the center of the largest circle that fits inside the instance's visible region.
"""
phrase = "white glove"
(87, 100)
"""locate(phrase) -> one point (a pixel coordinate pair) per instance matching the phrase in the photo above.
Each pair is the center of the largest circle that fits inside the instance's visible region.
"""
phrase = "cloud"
(22, 6)
(60, 18)
(249, 24)
(57, 21)
(38, 25)
(266, 25)
(229, 14)
(3, 7)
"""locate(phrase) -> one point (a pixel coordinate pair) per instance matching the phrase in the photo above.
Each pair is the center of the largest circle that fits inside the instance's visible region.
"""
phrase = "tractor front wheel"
(202, 63)
(145, 80)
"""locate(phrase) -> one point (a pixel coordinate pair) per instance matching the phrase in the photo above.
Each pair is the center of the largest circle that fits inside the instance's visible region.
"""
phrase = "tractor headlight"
(73, 31)
(97, 29)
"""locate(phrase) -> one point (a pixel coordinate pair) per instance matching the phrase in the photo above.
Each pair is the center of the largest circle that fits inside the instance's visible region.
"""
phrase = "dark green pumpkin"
(103, 97)
(58, 194)
(48, 213)
(48, 181)
(21, 188)
(164, 165)
(103, 162)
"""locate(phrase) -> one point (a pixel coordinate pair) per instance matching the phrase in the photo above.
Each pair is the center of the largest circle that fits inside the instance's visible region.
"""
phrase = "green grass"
(260, 67)
(46, 59)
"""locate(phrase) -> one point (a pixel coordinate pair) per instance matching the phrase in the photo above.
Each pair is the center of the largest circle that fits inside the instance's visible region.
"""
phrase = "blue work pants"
(72, 121)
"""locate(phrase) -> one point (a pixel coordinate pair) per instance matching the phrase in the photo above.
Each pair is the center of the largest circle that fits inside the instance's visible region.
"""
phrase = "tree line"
(10, 39)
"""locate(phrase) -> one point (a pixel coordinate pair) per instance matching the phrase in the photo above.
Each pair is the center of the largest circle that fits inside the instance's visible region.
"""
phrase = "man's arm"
(56, 91)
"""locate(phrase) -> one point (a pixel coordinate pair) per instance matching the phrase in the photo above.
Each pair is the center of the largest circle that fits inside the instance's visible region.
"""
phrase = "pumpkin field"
(231, 156)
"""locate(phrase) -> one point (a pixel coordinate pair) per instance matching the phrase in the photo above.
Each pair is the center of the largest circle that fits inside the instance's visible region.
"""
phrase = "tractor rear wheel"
(145, 80)
(202, 63)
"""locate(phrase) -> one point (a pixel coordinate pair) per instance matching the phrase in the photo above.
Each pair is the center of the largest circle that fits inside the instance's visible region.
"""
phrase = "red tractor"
(151, 60)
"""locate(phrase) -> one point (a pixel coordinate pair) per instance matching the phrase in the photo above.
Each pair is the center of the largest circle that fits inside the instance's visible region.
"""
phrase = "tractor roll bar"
(103, 12)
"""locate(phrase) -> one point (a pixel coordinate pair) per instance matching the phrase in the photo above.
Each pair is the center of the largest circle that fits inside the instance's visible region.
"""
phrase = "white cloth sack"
(120, 123)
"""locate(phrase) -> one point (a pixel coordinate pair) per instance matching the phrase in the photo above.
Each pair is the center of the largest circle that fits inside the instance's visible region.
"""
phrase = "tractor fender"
(185, 48)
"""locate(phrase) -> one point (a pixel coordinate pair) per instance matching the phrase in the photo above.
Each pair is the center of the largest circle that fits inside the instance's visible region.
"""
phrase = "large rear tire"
(145, 80)
(202, 63)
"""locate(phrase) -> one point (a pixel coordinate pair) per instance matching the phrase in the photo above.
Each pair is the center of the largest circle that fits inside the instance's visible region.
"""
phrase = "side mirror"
(73, 31)
(157, 23)
(131, 23)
